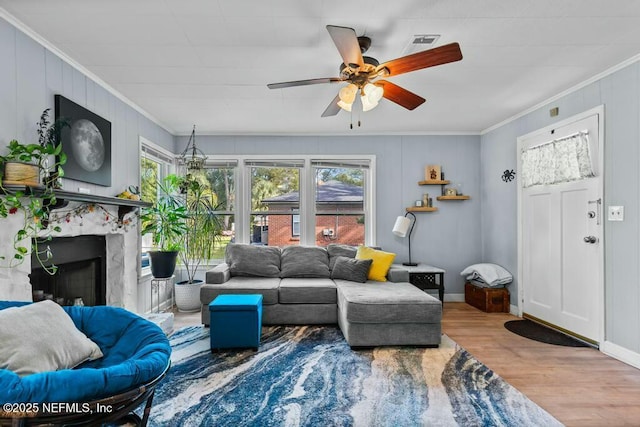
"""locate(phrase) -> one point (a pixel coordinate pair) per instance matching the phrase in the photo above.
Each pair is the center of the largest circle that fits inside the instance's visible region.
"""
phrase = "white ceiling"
(208, 62)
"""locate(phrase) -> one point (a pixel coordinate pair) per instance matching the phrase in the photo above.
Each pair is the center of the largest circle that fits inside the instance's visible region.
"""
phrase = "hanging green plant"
(27, 189)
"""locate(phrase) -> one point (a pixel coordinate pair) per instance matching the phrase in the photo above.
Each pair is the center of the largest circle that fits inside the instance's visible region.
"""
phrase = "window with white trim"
(155, 165)
(340, 201)
(220, 177)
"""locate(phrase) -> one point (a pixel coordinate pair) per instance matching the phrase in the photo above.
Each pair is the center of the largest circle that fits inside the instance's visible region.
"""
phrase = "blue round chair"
(136, 356)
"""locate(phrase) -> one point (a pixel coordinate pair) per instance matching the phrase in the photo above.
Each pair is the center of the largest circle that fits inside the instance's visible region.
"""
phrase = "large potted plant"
(204, 228)
(27, 167)
(165, 220)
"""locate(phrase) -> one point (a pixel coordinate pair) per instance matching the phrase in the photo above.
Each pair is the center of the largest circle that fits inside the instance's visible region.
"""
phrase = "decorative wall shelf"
(63, 198)
(453, 198)
(434, 182)
(421, 209)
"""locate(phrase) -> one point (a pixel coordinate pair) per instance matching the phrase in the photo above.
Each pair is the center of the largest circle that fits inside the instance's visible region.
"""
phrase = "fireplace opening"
(81, 275)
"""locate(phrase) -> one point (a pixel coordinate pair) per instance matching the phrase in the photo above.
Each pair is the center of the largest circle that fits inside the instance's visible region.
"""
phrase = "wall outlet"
(616, 213)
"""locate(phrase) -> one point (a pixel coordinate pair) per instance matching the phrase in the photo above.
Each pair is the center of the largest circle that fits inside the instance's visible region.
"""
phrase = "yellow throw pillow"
(381, 262)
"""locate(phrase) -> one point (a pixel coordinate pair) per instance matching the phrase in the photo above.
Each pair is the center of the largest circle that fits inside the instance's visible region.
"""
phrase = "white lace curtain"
(561, 160)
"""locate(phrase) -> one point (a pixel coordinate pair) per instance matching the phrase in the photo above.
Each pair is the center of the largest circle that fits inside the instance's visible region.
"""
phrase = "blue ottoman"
(236, 321)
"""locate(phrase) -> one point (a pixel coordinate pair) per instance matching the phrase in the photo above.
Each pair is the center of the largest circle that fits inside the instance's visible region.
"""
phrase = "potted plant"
(166, 221)
(29, 164)
(22, 170)
(203, 232)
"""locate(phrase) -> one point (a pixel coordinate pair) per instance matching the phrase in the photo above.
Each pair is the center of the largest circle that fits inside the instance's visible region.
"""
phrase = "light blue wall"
(620, 94)
(31, 75)
(448, 238)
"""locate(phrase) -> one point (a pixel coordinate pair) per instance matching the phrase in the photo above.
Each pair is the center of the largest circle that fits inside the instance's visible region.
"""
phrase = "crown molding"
(4, 14)
(564, 93)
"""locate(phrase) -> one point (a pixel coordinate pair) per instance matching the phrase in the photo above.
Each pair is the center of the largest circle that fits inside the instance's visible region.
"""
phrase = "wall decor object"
(508, 175)
(450, 191)
(86, 142)
(432, 172)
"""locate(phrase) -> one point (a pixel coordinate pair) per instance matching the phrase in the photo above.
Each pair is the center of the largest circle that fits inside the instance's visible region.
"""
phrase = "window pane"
(343, 229)
(149, 174)
(295, 225)
(340, 205)
(220, 181)
(222, 184)
(228, 236)
(274, 190)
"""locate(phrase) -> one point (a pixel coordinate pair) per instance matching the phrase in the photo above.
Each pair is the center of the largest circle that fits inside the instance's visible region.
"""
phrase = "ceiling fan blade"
(399, 95)
(346, 41)
(304, 82)
(428, 58)
(333, 108)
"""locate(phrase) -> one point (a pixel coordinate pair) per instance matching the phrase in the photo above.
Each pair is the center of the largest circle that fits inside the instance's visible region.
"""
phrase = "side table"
(155, 284)
(425, 276)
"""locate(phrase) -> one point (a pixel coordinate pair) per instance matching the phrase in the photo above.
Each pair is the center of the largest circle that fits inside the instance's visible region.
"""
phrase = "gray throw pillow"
(355, 270)
(41, 337)
(335, 250)
(252, 260)
(304, 261)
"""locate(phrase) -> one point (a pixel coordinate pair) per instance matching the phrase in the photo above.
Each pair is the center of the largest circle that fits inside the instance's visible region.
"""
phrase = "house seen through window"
(302, 201)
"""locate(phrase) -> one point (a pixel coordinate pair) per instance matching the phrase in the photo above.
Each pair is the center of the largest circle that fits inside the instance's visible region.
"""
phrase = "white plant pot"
(188, 296)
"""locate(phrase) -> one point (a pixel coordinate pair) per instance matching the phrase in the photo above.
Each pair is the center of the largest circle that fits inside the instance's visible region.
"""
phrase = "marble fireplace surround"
(122, 250)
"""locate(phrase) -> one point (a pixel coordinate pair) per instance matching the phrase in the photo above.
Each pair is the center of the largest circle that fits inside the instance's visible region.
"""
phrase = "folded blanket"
(491, 274)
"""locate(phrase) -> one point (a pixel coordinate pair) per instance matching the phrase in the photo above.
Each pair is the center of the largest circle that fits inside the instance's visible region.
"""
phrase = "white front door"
(561, 256)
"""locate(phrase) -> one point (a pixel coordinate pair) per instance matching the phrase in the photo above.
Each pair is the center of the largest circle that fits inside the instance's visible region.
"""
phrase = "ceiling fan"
(364, 74)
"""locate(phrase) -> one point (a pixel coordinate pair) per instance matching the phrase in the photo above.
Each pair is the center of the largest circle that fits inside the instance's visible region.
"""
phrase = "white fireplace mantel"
(105, 219)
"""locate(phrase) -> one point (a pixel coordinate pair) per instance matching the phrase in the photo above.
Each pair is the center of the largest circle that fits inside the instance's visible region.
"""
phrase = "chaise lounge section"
(300, 286)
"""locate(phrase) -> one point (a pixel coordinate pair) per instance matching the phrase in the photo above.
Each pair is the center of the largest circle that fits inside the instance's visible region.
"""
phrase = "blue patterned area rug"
(309, 376)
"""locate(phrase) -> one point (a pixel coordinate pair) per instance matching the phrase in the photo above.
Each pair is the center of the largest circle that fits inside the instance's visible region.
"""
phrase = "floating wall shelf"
(453, 198)
(421, 209)
(434, 182)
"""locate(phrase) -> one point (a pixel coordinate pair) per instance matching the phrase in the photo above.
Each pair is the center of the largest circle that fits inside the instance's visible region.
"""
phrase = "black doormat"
(535, 331)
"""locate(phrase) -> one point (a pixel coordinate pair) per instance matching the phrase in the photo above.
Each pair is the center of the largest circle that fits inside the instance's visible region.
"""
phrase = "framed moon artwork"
(86, 142)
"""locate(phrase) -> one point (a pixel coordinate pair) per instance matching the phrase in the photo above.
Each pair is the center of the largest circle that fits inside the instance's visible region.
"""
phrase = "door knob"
(590, 239)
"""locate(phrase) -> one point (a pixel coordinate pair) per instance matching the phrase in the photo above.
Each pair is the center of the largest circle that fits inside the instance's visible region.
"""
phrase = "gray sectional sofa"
(313, 285)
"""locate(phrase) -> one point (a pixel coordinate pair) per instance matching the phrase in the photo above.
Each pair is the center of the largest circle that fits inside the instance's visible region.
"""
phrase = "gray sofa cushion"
(218, 274)
(266, 286)
(251, 260)
(384, 302)
(355, 270)
(307, 291)
(335, 250)
(304, 261)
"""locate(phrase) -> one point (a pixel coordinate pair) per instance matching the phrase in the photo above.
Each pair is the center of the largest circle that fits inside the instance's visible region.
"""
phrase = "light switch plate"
(616, 213)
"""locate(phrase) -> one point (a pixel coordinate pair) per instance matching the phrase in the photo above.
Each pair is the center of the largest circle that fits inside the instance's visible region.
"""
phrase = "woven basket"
(16, 173)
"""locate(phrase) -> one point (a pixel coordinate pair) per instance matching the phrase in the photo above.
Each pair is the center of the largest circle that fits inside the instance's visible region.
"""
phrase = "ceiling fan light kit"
(364, 74)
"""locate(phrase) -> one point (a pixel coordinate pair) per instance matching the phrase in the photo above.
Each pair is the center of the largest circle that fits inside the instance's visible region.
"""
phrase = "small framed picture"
(432, 172)
(449, 191)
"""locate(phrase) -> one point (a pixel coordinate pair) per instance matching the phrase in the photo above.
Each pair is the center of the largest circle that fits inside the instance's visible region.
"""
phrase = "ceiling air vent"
(420, 42)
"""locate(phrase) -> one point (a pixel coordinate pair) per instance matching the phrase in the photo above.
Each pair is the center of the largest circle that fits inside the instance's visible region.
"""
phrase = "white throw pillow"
(42, 337)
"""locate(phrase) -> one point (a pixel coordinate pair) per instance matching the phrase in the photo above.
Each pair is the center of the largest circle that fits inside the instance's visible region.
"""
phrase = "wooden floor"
(578, 386)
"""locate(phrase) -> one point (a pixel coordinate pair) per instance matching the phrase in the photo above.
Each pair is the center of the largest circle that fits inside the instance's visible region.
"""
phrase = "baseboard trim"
(453, 297)
(622, 354)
